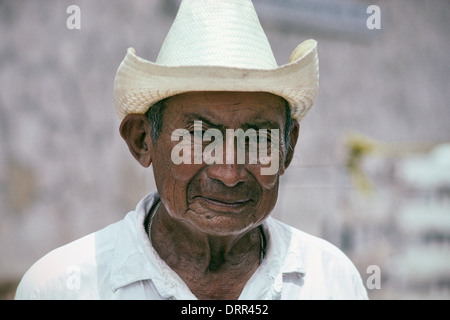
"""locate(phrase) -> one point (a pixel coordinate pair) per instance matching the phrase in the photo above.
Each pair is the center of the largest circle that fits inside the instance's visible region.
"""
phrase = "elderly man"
(218, 121)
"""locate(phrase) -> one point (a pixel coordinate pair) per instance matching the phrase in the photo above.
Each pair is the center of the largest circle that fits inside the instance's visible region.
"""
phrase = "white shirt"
(119, 262)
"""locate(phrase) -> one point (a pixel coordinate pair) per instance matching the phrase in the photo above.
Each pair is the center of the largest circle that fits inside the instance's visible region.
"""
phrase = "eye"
(264, 136)
(196, 130)
(253, 138)
(197, 133)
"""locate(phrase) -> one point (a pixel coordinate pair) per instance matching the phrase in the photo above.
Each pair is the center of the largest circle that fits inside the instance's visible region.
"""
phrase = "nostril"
(228, 174)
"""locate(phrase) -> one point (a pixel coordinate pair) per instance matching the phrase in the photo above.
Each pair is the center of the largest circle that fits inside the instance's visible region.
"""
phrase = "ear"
(293, 137)
(135, 130)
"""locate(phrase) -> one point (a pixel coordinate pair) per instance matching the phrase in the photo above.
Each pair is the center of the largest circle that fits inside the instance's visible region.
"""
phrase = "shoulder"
(70, 271)
(323, 262)
(303, 242)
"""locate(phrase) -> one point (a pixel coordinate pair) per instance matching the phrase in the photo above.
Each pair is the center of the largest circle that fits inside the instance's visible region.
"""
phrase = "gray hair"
(154, 115)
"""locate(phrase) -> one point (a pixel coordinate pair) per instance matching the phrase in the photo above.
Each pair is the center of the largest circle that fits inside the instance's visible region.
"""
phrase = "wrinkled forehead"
(229, 107)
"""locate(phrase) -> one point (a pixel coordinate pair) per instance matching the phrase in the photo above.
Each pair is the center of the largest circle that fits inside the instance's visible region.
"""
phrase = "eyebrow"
(201, 117)
(257, 124)
(265, 124)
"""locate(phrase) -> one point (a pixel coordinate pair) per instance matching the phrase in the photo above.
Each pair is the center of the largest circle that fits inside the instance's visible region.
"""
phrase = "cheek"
(269, 185)
(269, 196)
(172, 181)
(268, 182)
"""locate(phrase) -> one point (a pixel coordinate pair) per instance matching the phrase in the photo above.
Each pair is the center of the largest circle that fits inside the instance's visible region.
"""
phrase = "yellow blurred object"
(359, 146)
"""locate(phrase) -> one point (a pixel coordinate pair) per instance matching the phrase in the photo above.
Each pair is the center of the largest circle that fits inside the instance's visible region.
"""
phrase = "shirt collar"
(134, 258)
(283, 256)
(130, 261)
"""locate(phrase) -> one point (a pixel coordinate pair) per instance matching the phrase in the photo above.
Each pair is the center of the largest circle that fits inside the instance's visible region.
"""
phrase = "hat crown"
(223, 33)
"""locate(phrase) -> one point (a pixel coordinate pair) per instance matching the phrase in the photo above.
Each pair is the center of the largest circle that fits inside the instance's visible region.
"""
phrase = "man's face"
(218, 198)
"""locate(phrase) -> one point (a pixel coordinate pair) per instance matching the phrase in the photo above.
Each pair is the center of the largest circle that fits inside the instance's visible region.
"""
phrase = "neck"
(180, 245)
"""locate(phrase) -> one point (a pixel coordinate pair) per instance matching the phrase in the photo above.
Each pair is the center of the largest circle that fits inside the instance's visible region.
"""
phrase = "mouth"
(224, 204)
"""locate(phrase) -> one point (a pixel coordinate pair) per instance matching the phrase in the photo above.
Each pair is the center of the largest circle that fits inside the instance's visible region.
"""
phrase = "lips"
(223, 204)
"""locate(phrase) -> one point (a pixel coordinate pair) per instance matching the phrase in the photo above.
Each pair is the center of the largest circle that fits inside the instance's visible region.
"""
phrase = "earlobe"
(135, 130)
(293, 137)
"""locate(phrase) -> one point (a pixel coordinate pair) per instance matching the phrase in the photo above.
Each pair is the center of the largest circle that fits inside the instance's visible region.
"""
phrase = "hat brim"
(140, 83)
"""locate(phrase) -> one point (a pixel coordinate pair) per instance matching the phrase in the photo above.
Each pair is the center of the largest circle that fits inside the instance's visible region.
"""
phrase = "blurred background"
(371, 172)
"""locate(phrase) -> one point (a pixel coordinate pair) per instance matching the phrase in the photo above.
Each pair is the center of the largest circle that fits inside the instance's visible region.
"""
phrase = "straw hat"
(217, 46)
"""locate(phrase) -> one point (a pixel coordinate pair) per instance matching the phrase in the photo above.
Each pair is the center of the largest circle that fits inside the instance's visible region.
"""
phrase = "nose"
(228, 174)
